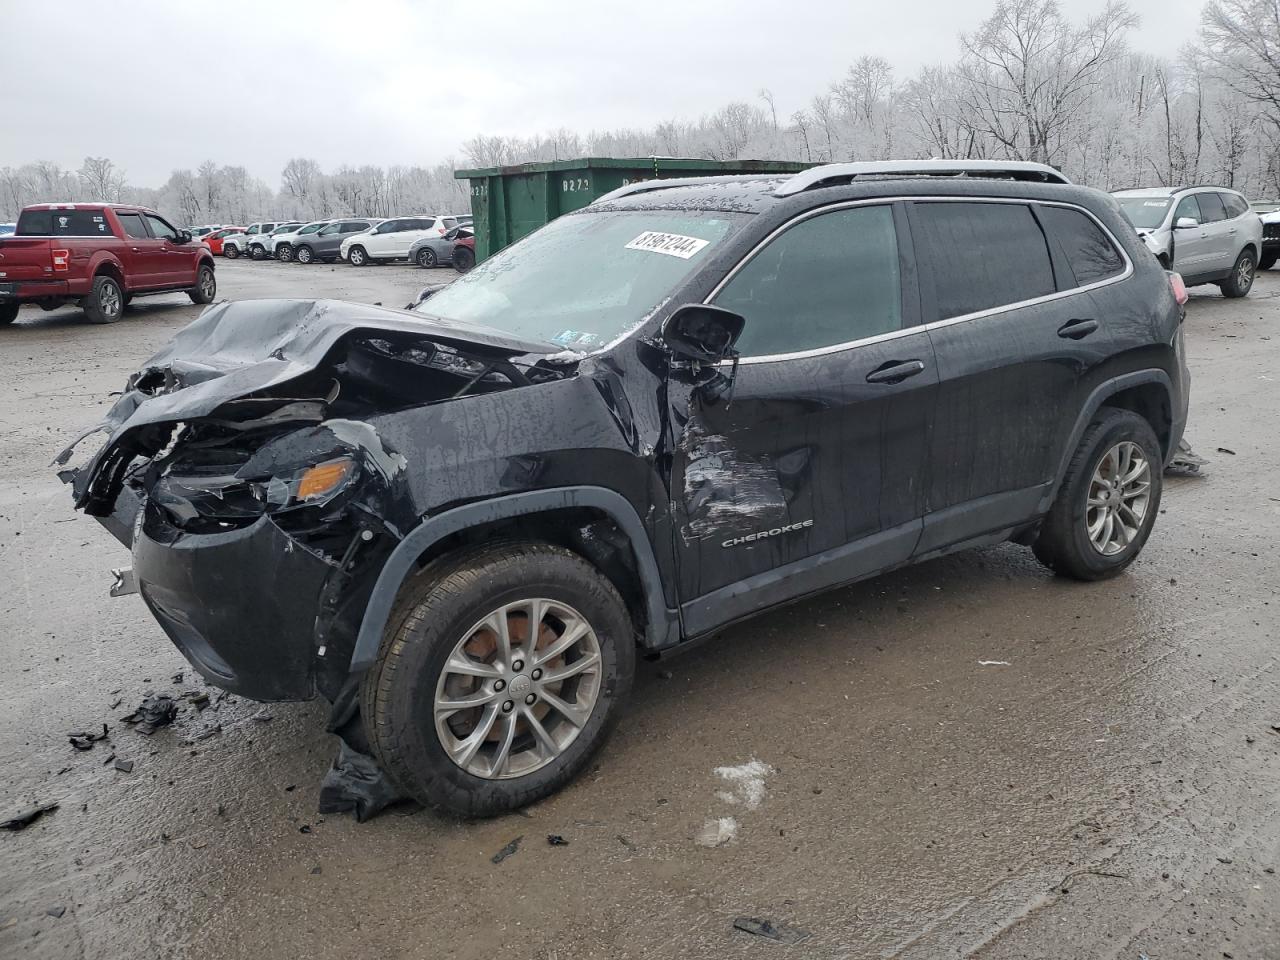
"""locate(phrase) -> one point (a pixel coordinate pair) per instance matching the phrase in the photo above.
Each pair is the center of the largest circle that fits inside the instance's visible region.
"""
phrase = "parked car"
(264, 248)
(464, 252)
(324, 244)
(438, 251)
(675, 408)
(392, 239)
(214, 240)
(202, 231)
(100, 256)
(1207, 234)
(281, 244)
(238, 244)
(1269, 213)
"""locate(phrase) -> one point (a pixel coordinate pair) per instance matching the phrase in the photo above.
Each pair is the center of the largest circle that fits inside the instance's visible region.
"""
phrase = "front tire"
(1108, 501)
(303, 255)
(426, 257)
(105, 302)
(257, 251)
(463, 259)
(1241, 280)
(469, 709)
(8, 313)
(206, 287)
(358, 257)
(231, 253)
(284, 253)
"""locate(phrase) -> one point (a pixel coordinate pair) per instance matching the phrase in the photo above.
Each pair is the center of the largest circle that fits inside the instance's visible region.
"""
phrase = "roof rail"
(986, 169)
(648, 186)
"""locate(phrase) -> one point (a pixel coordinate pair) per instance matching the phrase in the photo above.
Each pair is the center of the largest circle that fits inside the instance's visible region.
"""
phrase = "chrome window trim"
(937, 324)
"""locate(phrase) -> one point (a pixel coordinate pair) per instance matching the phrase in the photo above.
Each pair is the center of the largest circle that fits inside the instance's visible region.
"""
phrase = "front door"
(175, 264)
(808, 474)
(1193, 246)
(144, 255)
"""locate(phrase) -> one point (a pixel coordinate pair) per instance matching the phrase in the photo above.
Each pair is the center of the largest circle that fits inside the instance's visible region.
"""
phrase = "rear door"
(1221, 231)
(143, 255)
(1013, 347)
(811, 475)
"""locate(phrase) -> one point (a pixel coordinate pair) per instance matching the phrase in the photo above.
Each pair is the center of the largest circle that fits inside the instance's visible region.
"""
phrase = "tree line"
(1029, 84)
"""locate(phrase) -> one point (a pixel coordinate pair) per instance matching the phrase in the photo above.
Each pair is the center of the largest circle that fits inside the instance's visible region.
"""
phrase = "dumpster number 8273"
(574, 184)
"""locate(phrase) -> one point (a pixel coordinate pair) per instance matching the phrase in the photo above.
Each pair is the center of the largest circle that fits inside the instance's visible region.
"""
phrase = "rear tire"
(443, 609)
(105, 302)
(1241, 280)
(1089, 493)
(257, 251)
(357, 256)
(206, 287)
(8, 313)
(230, 252)
(303, 255)
(284, 253)
(463, 259)
(1267, 262)
(426, 257)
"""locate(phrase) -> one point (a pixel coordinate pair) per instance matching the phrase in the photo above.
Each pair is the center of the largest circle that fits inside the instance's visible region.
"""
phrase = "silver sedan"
(438, 251)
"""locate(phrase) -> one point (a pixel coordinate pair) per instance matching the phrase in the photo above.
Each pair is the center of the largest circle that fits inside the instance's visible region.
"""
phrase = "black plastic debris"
(305, 828)
(1225, 450)
(506, 851)
(124, 766)
(779, 932)
(56, 912)
(85, 741)
(156, 711)
(355, 784)
(555, 840)
(25, 818)
(178, 677)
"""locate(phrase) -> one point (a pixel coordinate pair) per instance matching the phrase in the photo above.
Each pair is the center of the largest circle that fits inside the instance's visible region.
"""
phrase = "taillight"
(60, 258)
(441, 231)
(1179, 288)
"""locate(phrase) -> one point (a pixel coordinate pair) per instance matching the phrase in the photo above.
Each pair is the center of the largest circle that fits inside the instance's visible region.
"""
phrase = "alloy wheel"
(1119, 494)
(1244, 273)
(207, 284)
(518, 688)
(109, 300)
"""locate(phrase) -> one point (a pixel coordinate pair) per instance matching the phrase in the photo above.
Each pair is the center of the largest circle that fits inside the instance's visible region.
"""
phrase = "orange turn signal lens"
(324, 478)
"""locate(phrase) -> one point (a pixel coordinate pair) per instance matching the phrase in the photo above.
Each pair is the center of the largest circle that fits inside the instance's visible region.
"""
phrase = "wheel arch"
(1148, 393)
(530, 515)
(110, 266)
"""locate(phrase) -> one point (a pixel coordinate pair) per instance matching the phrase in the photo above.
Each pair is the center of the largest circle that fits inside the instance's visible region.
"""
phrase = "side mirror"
(1186, 223)
(699, 333)
(183, 237)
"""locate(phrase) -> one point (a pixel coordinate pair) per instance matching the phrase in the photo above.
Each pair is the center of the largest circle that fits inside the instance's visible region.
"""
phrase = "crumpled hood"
(238, 348)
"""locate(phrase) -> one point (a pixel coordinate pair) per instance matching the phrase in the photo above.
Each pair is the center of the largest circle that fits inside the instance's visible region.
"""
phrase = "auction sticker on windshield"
(672, 244)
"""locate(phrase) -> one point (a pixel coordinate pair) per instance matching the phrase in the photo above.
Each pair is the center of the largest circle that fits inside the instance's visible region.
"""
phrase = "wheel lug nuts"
(499, 685)
(530, 699)
(508, 706)
(518, 665)
(537, 674)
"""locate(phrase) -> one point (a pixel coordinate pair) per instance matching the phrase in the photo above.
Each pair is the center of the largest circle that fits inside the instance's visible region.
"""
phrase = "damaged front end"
(257, 497)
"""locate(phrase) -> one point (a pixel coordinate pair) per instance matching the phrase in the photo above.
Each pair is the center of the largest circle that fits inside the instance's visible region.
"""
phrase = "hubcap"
(206, 283)
(518, 688)
(1119, 495)
(304, 255)
(109, 299)
(1244, 272)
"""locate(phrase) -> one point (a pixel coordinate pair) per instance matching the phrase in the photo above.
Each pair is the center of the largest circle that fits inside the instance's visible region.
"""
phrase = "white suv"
(391, 239)
(237, 244)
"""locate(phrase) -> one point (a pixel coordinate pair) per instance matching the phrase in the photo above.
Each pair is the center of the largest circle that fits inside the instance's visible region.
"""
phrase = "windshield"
(585, 279)
(1145, 213)
(312, 227)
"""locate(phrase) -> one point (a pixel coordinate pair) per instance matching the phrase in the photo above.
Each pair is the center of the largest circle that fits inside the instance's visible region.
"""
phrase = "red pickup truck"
(99, 255)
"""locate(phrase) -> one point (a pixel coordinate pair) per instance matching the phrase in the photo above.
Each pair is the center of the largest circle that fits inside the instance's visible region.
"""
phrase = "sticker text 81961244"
(672, 244)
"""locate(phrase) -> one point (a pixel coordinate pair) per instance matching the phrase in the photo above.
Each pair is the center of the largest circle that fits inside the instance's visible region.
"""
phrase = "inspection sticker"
(672, 244)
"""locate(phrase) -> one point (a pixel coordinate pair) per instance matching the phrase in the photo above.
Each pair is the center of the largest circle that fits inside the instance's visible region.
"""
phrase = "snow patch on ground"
(745, 782)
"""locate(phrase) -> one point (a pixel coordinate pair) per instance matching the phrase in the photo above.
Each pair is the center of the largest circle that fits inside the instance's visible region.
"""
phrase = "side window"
(1212, 208)
(251, 231)
(1188, 207)
(1236, 205)
(417, 223)
(161, 230)
(828, 280)
(80, 223)
(132, 223)
(1090, 253)
(980, 256)
(390, 226)
(450, 223)
(355, 226)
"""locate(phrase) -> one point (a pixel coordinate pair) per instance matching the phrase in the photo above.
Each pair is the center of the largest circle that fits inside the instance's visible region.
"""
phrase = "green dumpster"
(511, 202)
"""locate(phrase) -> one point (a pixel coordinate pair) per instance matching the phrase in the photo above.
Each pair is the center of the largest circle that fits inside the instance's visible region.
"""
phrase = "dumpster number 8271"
(574, 184)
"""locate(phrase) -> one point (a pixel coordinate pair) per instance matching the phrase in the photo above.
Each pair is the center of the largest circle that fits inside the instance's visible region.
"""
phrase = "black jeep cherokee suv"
(687, 403)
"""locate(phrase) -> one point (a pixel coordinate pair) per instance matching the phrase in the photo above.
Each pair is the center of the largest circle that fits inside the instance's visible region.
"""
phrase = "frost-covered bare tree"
(101, 179)
(1242, 44)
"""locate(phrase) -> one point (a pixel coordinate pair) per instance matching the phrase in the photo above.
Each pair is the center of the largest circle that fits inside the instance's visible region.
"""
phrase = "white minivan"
(391, 239)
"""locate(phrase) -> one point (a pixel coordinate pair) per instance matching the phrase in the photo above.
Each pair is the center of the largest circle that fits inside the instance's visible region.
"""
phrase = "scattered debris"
(85, 741)
(356, 784)
(315, 871)
(115, 704)
(717, 831)
(198, 699)
(746, 783)
(994, 663)
(24, 818)
(156, 711)
(555, 840)
(262, 717)
(124, 766)
(779, 932)
(1225, 450)
(56, 912)
(110, 758)
(305, 828)
(177, 677)
(507, 851)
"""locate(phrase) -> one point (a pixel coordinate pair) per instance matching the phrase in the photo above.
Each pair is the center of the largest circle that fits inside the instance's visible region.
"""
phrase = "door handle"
(1077, 329)
(895, 371)
(135, 249)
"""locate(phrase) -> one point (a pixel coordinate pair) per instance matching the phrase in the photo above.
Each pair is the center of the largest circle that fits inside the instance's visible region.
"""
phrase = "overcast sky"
(159, 85)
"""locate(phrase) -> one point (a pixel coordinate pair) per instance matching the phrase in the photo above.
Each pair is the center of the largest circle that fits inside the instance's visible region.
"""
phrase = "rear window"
(1090, 253)
(63, 223)
(1211, 207)
(1235, 204)
(982, 255)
